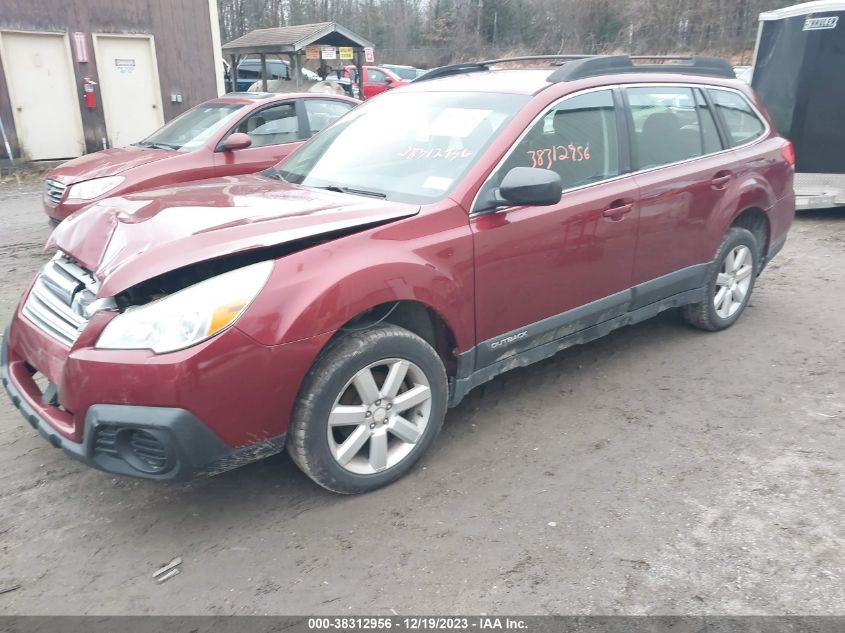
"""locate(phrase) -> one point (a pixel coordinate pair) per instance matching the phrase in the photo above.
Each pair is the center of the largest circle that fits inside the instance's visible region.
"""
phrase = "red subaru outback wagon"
(339, 303)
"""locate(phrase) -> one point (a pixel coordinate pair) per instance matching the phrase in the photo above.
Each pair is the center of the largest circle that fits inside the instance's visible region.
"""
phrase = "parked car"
(238, 133)
(338, 303)
(376, 79)
(408, 73)
(249, 72)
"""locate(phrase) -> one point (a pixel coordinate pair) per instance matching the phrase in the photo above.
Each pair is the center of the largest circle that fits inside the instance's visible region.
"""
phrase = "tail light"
(788, 153)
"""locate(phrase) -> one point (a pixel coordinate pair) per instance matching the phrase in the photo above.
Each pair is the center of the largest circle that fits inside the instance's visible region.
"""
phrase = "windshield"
(192, 129)
(405, 146)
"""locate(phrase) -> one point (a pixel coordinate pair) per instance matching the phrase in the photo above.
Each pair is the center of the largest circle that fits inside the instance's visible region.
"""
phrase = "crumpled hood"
(109, 162)
(129, 239)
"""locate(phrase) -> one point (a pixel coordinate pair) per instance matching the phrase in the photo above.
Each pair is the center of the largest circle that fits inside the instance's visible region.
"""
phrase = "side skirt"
(468, 379)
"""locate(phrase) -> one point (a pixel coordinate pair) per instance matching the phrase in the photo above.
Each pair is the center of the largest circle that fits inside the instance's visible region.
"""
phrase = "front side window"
(410, 147)
(272, 126)
(577, 139)
(743, 125)
(322, 113)
(377, 76)
(189, 131)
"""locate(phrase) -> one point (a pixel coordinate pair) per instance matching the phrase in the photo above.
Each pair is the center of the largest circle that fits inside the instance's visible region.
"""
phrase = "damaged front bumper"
(163, 443)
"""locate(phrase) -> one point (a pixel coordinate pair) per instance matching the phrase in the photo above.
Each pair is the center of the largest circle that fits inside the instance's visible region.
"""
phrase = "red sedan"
(239, 133)
(376, 79)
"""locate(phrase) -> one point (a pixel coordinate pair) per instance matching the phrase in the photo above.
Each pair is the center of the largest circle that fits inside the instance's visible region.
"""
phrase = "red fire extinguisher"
(88, 91)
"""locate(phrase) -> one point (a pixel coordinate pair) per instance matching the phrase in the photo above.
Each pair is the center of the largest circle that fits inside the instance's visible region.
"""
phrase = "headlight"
(189, 316)
(90, 189)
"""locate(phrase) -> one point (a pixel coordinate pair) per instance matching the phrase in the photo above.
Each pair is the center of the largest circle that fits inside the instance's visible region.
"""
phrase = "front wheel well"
(413, 316)
(755, 220)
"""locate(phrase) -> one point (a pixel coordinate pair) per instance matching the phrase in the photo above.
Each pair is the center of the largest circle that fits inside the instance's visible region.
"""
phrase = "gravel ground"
(660, 470)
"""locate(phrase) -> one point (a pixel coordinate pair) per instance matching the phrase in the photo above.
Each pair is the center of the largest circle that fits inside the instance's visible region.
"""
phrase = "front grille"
(57, 302)
(55, 191)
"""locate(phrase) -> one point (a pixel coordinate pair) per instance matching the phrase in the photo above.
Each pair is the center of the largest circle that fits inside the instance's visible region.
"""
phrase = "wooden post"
(264, 72)
(297, 69)
(360, 68)
(233, 70)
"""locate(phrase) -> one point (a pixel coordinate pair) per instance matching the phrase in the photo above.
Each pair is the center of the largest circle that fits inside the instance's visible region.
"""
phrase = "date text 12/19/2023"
(401, 624)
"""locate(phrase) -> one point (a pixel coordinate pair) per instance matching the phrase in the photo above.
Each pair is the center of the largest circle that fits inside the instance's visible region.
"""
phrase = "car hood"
(109, 162)
(129, 239)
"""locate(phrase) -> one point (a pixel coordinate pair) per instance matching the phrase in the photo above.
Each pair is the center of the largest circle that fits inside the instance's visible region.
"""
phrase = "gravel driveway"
(660, 470)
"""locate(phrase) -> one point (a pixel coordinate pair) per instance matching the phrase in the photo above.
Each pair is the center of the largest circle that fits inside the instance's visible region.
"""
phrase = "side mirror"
(238, 140)
(388, 80)
(531, 186)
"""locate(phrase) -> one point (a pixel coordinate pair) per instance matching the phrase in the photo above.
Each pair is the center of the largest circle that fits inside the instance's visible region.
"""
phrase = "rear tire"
(729, 286)
(369, 408)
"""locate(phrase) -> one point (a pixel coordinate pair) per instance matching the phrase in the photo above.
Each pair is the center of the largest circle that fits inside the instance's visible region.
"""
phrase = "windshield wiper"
(352, 190)
(158, 146)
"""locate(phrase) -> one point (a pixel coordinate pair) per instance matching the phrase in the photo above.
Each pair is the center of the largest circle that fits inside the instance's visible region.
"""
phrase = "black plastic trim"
(463, 384)
(552, 328)
(669, 285)
(774, 248)
(193, 449)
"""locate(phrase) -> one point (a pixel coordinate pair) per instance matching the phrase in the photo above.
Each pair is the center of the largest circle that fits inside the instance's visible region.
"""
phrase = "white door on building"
(129, 86)
(43, 93)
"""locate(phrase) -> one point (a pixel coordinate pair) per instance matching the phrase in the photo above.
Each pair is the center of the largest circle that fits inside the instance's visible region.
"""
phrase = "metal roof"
(287, 39)
(819, 6)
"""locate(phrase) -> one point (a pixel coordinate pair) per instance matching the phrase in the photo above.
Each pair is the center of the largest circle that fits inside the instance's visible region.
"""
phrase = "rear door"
(545, 272)
(683, 172)
(276, 131)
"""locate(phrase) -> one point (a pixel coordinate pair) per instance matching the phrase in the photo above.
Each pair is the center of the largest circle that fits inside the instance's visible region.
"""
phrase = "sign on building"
(80, 48)
(328, 52)
(346, 52)
(369, 55)
(312, 52)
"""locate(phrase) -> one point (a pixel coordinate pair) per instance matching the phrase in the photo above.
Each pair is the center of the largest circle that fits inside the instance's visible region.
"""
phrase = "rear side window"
(671, 124)
(742, 123)
(577, 139)
(709, 132)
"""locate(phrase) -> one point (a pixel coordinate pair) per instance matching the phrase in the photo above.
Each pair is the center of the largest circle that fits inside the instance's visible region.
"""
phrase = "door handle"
(618, 210)
(721, 180)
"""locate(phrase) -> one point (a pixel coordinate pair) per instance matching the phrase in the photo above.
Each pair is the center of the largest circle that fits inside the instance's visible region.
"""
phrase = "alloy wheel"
(733, 281)
(379, 416)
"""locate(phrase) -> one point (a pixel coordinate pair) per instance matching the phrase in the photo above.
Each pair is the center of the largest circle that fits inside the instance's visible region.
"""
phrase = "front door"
(545, 272)
(129, 86)
(375, 82)
(276, 131)
(42, 89)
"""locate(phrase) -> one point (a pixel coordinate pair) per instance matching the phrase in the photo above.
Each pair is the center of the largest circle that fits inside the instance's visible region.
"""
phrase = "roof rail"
(615, 64)
(580, 66)
(454, 69)
(474, 67)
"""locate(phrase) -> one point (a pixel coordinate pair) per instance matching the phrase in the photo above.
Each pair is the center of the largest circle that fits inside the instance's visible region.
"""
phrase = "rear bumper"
(176, 445)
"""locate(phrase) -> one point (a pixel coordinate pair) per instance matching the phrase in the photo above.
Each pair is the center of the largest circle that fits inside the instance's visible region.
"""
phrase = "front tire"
(369, 408)
(729, 287)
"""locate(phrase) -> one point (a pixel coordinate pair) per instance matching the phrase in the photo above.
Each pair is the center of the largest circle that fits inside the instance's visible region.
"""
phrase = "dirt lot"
(661, 470)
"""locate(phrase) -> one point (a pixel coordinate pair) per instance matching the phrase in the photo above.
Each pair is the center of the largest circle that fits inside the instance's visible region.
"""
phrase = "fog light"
(144, 450)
